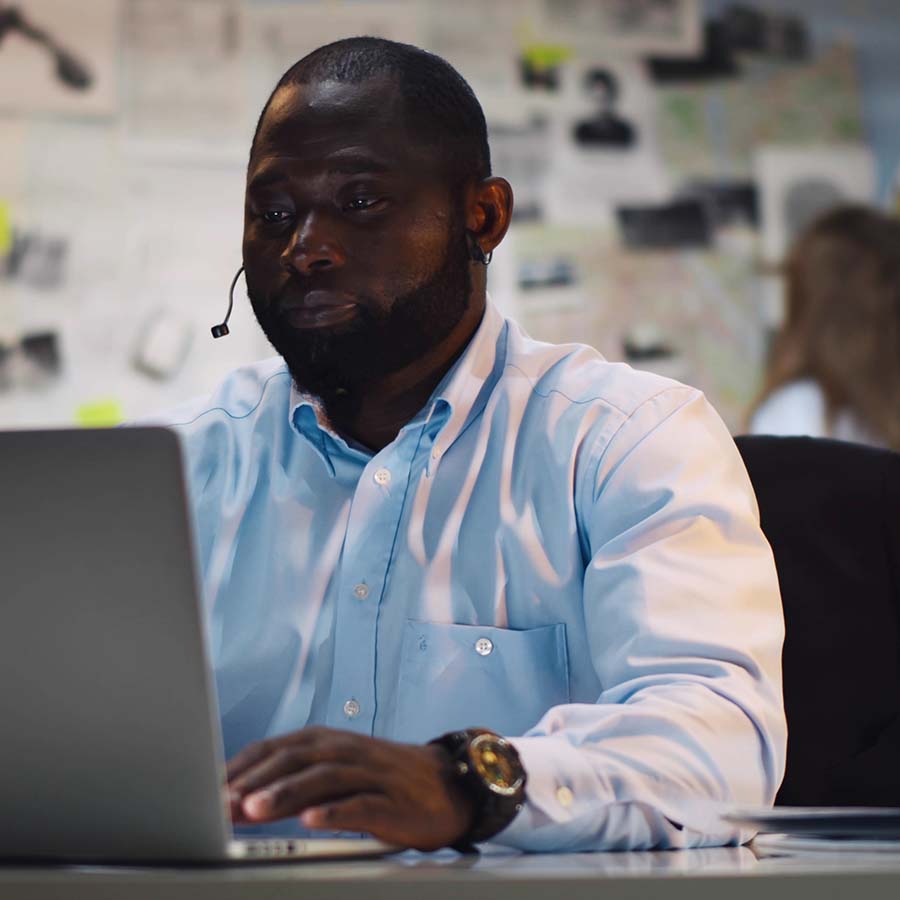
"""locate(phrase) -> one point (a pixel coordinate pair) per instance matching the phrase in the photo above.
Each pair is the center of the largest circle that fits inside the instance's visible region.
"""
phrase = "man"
(419, 521)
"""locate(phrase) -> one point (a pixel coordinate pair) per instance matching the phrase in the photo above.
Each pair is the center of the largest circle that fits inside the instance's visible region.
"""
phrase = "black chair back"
(831, 511)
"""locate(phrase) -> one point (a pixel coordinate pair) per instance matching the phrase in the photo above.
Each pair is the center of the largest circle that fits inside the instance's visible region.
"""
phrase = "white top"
(799, 408)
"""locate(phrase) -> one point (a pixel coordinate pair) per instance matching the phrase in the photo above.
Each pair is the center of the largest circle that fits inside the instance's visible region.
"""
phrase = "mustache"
(292, 291)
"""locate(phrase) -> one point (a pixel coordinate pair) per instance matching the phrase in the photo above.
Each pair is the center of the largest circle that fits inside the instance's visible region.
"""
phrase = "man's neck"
(385, 406)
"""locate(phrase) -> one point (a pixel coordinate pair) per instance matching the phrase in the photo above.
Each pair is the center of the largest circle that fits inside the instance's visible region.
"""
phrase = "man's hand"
(340, 781)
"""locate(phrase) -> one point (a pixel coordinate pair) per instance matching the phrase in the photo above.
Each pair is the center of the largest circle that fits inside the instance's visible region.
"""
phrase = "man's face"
(354, 248)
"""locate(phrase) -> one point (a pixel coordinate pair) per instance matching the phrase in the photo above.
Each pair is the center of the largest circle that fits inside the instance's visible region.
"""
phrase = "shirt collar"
(466, 387)
(457, 400)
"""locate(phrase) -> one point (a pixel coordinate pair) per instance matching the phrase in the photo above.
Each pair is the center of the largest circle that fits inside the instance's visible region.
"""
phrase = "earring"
(476, 254)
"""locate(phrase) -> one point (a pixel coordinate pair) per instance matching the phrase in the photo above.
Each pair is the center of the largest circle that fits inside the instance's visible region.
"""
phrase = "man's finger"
(370, 812)
(322, 743)
(317, 784)
(292, 759)
(280, 763)
(249, 756)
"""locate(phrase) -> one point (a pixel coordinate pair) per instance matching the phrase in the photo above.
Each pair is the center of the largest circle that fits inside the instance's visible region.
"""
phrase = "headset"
(221, 329)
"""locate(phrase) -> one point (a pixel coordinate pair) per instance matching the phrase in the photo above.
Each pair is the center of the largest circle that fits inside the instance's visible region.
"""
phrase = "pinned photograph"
(665, 27)
(676, 225)
(37, 260)
(33, 361)
(728, 201)
(606, 127)
(605, 150)
(798, 184)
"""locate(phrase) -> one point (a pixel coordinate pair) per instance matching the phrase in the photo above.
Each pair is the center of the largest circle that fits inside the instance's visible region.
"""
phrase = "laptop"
(111, 748)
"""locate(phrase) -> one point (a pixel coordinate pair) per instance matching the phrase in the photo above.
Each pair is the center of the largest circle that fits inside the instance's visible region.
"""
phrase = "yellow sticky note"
(99, 414)
(6, 233)
(545, 56)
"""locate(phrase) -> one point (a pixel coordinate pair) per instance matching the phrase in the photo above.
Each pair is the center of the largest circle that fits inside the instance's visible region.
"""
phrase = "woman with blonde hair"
(834, 370)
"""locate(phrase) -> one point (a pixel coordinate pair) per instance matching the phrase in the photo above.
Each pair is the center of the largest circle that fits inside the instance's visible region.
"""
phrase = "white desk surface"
(723, 874)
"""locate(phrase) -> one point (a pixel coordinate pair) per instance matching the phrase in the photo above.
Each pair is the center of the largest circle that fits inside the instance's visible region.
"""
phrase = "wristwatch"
(487, 768)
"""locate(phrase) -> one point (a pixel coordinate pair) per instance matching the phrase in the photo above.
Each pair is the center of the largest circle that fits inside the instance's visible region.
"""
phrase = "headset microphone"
(221, 329)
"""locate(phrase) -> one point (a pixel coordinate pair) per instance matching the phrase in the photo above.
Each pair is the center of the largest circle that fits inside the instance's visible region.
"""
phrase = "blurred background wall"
(663, 154)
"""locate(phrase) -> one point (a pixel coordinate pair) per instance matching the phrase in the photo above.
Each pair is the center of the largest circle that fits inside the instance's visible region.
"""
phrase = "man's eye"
(357, 203)
(275, 216)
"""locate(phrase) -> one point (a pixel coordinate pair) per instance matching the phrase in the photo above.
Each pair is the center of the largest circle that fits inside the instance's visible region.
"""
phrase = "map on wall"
(694, 315)
(710, 129)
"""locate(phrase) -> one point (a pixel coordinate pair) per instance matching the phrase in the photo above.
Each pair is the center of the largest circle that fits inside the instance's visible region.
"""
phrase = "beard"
(337, 364)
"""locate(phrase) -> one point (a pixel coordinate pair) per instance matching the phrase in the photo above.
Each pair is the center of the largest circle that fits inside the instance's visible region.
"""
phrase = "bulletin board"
(631, 139)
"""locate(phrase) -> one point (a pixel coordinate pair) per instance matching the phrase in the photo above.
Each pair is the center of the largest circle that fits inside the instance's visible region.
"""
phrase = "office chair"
(831, 511)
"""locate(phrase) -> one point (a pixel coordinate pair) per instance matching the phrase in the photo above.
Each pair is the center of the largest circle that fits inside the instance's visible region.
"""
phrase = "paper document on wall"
(184, 78)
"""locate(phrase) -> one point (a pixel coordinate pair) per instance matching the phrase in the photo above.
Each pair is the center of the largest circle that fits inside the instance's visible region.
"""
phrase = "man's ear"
(488, 211)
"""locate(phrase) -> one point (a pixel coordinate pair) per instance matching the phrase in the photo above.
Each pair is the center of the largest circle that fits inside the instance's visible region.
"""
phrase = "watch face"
(496, 762)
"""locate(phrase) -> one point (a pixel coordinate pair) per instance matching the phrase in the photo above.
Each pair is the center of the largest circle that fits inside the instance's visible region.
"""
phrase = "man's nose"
(313, 247)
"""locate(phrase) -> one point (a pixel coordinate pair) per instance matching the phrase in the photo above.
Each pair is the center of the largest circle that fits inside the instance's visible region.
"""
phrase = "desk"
(715, 874)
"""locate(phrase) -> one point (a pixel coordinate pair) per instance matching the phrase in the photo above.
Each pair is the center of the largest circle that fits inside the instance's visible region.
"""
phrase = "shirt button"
(484, 646)
(383, 477)
(361, 591)
(351, 709)
(564, 796)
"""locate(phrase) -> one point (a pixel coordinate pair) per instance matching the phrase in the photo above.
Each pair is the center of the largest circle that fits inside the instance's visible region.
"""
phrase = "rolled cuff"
(572, 806)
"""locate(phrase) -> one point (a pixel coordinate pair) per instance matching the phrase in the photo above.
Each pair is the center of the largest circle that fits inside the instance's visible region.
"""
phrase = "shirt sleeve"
(683, 611)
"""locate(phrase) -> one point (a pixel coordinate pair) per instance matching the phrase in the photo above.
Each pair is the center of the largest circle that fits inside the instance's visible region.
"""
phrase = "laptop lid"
(111, 746)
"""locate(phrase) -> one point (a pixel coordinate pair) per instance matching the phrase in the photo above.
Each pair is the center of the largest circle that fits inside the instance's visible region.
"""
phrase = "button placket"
(374, 517)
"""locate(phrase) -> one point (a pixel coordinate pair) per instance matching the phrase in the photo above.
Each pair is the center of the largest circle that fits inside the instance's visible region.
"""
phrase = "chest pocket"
(470, 676)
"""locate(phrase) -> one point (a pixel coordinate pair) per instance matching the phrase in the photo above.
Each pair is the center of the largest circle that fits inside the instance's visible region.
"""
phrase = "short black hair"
(443, 110)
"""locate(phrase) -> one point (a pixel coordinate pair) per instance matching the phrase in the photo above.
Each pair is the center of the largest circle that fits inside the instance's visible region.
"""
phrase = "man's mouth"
(319, 309)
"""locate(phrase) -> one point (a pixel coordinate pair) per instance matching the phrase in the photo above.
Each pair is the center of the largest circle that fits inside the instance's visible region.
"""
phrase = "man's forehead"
(315, 109)
(272, 168)
(347, 125)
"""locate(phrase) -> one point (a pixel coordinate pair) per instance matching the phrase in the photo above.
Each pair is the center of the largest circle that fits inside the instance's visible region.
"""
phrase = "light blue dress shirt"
(558, 548)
